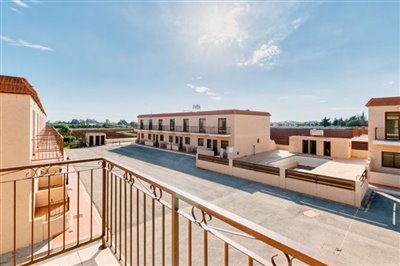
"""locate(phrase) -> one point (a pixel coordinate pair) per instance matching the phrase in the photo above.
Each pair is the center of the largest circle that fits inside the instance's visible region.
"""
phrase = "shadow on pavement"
(382, 209)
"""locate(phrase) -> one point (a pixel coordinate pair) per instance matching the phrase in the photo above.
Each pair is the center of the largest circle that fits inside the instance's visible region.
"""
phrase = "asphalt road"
(365, 236)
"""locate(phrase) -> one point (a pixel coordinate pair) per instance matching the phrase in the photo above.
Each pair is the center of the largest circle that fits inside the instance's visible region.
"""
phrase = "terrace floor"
(357, 236)
(85, 255)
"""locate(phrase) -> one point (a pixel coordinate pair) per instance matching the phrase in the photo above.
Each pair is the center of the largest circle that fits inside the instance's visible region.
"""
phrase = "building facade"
(23, 134)
(384, 140)
(225, 133)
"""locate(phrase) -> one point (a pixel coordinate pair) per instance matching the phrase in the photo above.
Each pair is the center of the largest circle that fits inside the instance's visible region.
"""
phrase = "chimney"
(356, 132)
(364, 131)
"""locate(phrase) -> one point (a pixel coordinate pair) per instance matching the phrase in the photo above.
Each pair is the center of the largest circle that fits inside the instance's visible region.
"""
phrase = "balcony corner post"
(175, 230)
(103, 212)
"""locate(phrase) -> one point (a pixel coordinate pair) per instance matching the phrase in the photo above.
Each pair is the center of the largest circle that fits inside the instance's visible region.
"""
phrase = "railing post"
(175, 230)
(103, 214)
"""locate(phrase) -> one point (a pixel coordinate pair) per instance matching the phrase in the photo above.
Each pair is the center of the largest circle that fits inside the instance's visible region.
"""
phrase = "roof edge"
(210, 112)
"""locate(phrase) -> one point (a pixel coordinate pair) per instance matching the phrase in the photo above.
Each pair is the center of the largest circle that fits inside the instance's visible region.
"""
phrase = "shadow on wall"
(379, 210)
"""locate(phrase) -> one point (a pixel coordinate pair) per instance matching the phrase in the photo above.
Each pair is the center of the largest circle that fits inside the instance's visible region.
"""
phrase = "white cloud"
(242, 34)
(265, 55)
(389, 83)
(206, 91)
(23, 43)
(20, 3)
(15, 10)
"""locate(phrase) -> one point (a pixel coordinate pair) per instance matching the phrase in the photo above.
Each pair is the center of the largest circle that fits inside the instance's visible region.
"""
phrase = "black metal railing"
(191, 129)
(382, 134)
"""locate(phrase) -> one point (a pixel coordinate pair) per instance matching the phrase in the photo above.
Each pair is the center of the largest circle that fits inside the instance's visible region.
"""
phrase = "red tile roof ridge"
(210, 112)
(19, 85)
(383, 101)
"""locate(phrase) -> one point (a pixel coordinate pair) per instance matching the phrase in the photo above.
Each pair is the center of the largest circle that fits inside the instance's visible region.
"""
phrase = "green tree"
(64, 130)
(325, 122)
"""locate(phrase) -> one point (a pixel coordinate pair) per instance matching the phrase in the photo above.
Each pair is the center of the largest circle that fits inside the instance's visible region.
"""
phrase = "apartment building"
(384, 140)
(25, 140)
(226, 133)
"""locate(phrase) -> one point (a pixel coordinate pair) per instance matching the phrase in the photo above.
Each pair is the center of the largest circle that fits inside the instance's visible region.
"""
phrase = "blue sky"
(116, 59)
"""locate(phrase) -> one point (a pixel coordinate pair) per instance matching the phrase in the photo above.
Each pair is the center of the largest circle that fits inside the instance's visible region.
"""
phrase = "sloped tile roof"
(383, 101)
(18, 85)
(204, 113)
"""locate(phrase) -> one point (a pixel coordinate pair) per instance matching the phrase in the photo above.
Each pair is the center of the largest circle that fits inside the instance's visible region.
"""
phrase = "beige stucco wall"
(340, 147)
(20, 121)
(376, 119)
(344, 196)
(248, 133)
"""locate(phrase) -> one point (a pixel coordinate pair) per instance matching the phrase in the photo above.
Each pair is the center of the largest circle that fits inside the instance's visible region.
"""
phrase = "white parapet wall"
(384, 179)
(343, 191)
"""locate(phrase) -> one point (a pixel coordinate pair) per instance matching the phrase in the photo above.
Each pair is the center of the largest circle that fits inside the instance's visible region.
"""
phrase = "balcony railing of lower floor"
(48, 145)
(141, 219)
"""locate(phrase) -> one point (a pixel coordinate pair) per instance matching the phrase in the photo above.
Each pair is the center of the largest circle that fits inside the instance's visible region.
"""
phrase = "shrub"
(69, 139)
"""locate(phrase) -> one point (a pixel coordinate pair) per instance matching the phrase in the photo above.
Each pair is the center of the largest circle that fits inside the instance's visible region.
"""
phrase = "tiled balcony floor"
(86, 255)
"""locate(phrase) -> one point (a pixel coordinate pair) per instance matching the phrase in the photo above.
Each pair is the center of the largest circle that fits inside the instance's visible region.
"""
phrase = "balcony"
(190, 129)
(382, 137)
(140, 220)
(48, 145)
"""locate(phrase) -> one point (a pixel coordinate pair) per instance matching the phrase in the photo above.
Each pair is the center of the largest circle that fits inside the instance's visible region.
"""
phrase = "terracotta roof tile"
(203, 113)
(18, 85)
(383, 101)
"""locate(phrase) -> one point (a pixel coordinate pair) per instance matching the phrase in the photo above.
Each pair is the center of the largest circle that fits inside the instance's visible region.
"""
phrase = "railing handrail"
(260, 233)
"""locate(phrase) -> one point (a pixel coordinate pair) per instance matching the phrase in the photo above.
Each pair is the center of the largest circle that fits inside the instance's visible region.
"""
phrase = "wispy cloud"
(15, 10)
(24, 43)
(20, 3)
(265, 55)
(388, 83)
(206, 91)
(242, 34)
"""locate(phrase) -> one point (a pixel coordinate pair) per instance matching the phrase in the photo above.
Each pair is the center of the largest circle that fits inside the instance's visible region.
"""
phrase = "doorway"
(327, 148)
(215, 146)
(91, 141)
(103, 140)
(313, 147)
(305, 146)
(180, 143)
(97, 140)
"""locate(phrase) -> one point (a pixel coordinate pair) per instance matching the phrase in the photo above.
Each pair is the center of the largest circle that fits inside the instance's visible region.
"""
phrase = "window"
(185, 125)
(161, 137)
(187, 140)
(142, 135)
(141, 124)
(392, 126)
(224, 144)
(150, 124)
(149, 136)
(221, 125)
(200, 142)
(171, 139)
(202, 125)
(258, 140)
(160, 124)
(208, 143)
(391, 159)
(176, 140)
(172, 124)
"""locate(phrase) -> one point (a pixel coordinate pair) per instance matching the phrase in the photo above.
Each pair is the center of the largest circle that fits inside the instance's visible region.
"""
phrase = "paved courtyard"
(365, 236)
